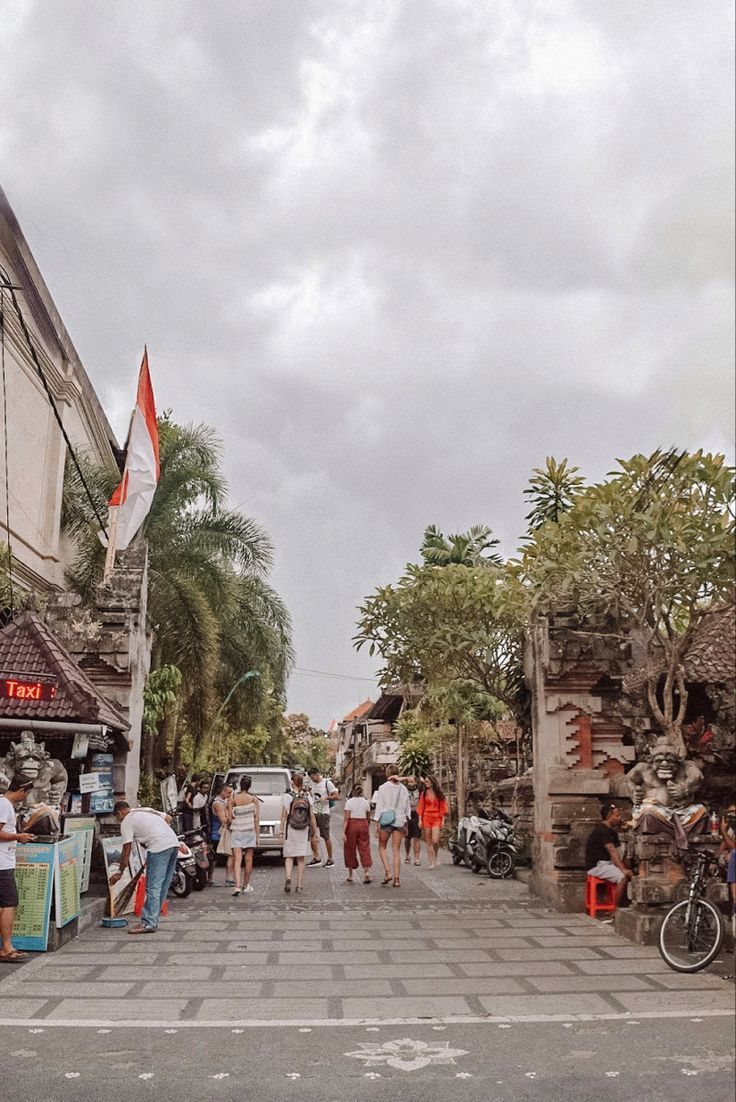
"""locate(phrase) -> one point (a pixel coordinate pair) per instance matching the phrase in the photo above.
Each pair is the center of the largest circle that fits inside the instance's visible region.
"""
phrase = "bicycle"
(692, 931)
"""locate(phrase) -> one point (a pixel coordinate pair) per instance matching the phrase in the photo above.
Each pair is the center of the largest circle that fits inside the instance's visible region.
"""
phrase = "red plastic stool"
(140, 897)
(593, 904)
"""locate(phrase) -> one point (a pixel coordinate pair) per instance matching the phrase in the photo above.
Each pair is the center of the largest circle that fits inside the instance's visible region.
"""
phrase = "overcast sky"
(396, 252)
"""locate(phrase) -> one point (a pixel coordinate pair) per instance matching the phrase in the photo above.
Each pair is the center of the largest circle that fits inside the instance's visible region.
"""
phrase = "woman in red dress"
(432, 810)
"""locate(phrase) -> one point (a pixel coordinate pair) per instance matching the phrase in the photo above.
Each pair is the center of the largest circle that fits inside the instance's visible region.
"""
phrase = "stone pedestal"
(659, 883)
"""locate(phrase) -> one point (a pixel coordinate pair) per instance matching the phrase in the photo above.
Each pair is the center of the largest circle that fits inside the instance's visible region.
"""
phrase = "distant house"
(367, 748)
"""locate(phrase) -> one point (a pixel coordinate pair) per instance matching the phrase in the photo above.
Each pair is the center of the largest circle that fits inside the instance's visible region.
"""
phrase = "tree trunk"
(460, 772)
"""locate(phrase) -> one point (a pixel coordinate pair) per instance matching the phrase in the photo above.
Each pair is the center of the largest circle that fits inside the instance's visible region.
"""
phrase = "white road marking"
(319, 1023)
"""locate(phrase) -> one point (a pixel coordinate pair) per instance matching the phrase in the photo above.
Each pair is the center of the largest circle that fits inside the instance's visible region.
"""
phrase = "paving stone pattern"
(445, 945)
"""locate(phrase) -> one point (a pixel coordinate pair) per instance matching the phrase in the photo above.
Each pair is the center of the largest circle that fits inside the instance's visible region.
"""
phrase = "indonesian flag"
(131, 501)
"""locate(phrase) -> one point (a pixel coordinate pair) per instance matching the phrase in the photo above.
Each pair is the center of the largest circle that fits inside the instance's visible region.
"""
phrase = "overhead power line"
(10, 287)
(335, 676)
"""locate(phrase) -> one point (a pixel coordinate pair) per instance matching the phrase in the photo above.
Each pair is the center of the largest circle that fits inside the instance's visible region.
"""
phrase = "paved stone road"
(367, 989)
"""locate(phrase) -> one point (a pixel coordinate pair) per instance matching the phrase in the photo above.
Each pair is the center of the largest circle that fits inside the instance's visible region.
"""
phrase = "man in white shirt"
(151, 830)
(8, 890)
(392, 809)
(323, 790)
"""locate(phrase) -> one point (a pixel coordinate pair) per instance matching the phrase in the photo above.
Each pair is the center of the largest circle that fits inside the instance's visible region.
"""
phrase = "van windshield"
(264, 784)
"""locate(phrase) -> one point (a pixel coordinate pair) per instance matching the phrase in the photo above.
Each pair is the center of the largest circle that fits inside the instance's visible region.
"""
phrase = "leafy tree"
(552, 491)
(454, 628)
(646, 553)
(213, 614)
(471, 548)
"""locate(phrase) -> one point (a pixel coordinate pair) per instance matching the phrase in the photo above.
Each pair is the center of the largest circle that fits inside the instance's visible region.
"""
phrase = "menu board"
(66, 880)
(34, 873)
(84, 826)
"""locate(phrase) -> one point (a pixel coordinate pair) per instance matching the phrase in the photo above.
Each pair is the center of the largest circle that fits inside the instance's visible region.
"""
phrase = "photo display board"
(34, 877)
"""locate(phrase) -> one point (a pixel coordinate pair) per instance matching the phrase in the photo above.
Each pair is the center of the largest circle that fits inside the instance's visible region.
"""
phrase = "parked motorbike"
(185, 871)
(462, 846)
(494, 848)
(204, 858)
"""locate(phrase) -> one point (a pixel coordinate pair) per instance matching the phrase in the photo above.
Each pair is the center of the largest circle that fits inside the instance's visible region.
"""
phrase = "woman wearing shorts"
(392, 810)
(432, 810)
(296, 840)
(244, 829)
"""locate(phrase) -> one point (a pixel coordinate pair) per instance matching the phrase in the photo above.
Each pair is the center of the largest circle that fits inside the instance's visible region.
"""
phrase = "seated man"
(602, 858)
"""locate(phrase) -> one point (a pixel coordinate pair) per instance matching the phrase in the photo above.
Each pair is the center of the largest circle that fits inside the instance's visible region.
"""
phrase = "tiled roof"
(359, 712)
(711, 656)
(28, 647)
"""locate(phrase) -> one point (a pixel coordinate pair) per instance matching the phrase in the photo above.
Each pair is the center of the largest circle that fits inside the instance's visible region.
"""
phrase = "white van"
(270, 783)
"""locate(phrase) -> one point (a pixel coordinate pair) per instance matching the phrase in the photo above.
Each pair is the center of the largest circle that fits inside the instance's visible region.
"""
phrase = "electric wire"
(42, 376)
(5, 444)
(335, 676)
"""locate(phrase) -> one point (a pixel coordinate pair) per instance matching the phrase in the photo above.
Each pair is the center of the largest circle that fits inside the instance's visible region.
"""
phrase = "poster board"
(91, 782)
(122, 894)
(34, 877)
(169, 795)
(66, 880)
(102, 800)
(84, 826)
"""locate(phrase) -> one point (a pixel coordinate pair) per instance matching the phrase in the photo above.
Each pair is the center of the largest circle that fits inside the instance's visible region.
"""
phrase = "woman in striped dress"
(244, 828)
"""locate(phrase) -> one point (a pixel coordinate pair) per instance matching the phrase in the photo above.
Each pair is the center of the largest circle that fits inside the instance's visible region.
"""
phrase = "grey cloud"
(395, 253)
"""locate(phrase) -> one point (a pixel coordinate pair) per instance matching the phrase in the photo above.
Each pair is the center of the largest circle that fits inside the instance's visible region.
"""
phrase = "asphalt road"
(451, 986)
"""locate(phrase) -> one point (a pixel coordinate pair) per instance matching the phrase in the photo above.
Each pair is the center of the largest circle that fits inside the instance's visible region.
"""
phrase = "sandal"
(418, 864)
(366, 879)
(386, 880)
(13, 958)
(397, 882)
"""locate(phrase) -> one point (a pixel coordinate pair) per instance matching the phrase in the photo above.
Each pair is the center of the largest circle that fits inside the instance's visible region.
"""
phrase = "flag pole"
(112, 532)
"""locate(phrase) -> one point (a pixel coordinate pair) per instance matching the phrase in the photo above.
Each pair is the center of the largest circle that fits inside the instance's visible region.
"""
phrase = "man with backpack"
(297, 822)
(324, 795)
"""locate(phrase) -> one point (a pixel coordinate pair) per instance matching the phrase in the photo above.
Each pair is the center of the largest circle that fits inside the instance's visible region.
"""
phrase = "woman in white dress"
(296, 809)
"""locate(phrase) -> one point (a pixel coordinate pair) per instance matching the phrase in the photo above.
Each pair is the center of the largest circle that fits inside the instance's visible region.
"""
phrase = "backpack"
(300, 813)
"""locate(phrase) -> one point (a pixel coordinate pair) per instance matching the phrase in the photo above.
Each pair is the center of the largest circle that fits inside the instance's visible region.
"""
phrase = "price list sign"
(66, 880)
(34, 878)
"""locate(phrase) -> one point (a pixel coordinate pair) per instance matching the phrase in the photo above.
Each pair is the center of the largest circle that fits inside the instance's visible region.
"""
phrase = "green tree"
(453, 628)
(552, 491)
(645, 554)
(471, 548)
(213, 614)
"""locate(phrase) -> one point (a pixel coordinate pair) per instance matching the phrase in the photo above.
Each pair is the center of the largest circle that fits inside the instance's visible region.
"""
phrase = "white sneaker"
(248, 888)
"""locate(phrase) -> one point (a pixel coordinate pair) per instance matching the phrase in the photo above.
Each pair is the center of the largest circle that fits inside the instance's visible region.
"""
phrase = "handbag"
(387, 818)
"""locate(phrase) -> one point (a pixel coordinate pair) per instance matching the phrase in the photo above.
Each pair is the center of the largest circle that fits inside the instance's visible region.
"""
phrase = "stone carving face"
(26, 757)
(666, 762)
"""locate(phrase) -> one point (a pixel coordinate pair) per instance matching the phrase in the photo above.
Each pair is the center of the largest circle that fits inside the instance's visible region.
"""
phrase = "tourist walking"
(392, 810)
(324, 793)
(432, 810)
(297, 821)
(357, 835)
(413, 839)
(245, 827)
(9, 838)
(151, 830)
(220, 832)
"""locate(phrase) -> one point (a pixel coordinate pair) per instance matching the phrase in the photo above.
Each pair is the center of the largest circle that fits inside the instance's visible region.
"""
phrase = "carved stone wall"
(582, 742)
(111, 642)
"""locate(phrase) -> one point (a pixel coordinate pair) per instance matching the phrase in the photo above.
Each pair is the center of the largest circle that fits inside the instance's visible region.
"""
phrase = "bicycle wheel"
(691, 935)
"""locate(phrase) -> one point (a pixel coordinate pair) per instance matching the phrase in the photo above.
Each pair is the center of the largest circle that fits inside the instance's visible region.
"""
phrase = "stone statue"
(662, 790)
(31, 760)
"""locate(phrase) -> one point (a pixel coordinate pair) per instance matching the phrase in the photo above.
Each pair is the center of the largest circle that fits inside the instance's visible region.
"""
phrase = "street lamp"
(241, 679)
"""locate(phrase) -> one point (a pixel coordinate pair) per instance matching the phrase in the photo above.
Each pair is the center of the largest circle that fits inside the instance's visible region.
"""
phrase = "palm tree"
(211, 609)
(471, 548)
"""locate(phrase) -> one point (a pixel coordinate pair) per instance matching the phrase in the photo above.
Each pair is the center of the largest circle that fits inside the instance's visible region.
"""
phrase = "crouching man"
(602, 857)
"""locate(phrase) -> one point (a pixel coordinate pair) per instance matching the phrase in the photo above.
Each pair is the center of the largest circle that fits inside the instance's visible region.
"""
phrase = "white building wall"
(36, 449)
